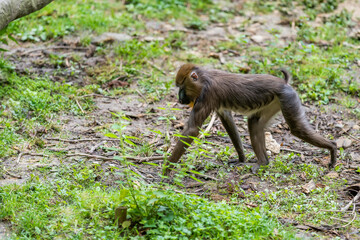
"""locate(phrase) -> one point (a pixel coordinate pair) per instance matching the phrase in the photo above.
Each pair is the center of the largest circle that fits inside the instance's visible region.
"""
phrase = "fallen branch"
(339, 219)
(204, 176)
(31, 154)
(96, 95)
(77, 102)
(82, 140)
(291, 150)
(96, 146)
(356, 139)
(146, 159)
(353, 219)
(137, 159)
(132, 168)
(327, 210)
(53, 47)
(159, 69)
(90, 156)
(351, 202)
(11, 174)
(213, 117)
(142, 96)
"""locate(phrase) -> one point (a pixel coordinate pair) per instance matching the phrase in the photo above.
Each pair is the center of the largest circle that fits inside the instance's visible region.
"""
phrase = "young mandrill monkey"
(259, 96)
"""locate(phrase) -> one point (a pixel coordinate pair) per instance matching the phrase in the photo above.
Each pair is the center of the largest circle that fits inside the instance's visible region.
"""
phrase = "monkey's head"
(189, 84)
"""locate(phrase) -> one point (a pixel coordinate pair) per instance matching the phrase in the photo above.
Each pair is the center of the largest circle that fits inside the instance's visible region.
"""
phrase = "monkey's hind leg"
(229, 124)
(294, 115)
(256, 124)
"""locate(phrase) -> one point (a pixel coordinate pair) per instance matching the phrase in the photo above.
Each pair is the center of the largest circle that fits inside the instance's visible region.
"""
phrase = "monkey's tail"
(287, 75)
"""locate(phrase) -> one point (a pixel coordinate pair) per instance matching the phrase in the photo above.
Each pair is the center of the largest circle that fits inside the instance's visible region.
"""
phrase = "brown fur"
(259, 96)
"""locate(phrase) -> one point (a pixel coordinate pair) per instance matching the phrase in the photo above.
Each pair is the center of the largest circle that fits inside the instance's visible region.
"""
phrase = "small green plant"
(167, 117)
(125, 142)
(196, 24)
(4, 37)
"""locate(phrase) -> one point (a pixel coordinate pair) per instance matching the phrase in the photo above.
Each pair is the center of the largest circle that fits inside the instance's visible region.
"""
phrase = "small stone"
(215, 33)
(355, 156)
(271, 143)
(111, 37)
(154, 25)
(332, 175)
(257, 38)
(339, 125)
(343, 142)
(153, 39)
(307, 188)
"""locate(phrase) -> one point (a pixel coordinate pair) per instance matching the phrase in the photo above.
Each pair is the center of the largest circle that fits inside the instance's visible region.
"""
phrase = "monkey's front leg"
(197, 118)
(229, 124)
(183, 143)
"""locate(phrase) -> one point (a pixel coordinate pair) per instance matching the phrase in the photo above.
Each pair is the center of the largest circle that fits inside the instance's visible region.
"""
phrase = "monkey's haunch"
(259, 96)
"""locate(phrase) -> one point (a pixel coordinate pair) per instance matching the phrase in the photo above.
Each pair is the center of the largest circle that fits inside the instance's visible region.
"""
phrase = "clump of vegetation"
(77, 198)
(75, 205)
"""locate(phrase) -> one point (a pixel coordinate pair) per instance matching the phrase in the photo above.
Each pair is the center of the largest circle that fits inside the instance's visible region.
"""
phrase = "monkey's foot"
(331, 165)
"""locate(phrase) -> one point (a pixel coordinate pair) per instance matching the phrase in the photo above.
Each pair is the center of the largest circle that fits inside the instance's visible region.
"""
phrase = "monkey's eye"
(194, 76)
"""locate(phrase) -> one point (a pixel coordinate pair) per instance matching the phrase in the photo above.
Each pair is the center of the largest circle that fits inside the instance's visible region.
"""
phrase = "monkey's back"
(245, 93)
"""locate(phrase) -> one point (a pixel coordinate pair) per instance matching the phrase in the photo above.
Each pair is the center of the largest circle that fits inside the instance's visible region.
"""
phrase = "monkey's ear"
(194, 76)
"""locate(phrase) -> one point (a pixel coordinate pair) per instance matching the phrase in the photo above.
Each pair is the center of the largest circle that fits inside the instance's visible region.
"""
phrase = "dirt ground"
(78, 134)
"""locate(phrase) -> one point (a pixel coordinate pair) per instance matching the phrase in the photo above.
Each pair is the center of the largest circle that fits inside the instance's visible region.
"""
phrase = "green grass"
(93, 17)
(75, 206)
(70, 201)
(30, 105)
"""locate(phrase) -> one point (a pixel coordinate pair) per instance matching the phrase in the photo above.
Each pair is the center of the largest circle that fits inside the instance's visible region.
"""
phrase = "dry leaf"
(307, 188)
(271, 143)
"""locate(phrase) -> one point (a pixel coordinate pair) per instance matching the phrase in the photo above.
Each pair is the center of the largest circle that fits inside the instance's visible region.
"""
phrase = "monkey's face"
(183, 98)
(189, 85)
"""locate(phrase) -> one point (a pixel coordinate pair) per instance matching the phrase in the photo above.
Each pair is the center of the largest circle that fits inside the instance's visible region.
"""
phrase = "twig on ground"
(351, 45)
(137, 159)
(351, 202)
(158, 68)
(146, 159)
(132, 168)
(77, 102)
(339, 219)
(31, 154)
(204, 176)
(356, 139)
(353, 219)
(97, 95)
(142, 96)
(291, 150)
(90, 156)
(11, 174)
(61, 149)
(213, 117)
(327, 210)
(245, 176)
(82, 140)
(52, 47)
(96, 146)
(182, 192)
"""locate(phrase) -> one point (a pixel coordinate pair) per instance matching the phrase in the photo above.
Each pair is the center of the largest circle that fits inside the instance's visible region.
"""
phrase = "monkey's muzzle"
(183, 98)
